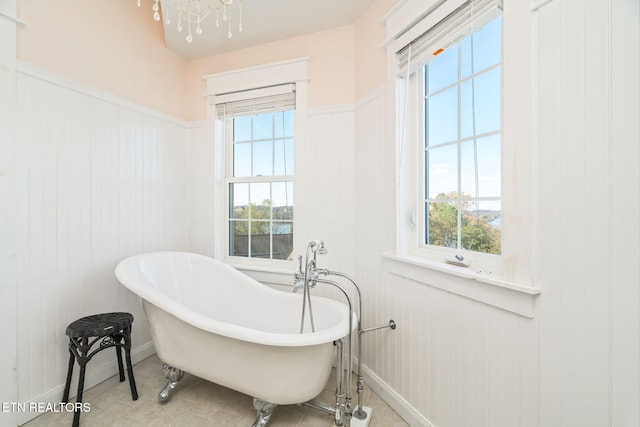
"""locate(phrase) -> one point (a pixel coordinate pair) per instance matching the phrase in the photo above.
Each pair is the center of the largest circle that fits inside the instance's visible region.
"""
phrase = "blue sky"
(458, 110)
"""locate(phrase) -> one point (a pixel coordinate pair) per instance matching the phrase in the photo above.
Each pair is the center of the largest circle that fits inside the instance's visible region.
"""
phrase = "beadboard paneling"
(452, 361)
(328, 176)
(96, 181)
(623, 273)
(8, 237)
(588, 57)
(456, 362)
(201, 176)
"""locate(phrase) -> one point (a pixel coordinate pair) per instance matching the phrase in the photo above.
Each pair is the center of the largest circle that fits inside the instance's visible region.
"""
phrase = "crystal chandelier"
(191, 13)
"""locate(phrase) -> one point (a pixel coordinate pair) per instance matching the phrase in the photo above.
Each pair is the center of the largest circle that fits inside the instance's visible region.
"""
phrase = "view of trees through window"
(479, 230)
(462, 143)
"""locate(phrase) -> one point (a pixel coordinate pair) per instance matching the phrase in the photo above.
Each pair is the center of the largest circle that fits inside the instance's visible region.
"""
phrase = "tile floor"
(196, 402)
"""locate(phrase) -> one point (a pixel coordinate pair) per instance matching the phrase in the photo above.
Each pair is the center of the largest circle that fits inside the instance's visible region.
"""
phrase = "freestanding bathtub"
(214, 322)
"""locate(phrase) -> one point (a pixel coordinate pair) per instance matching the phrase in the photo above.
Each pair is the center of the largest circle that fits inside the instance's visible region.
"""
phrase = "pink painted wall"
(370, 54)
(110, 45)
(117, 47)
(346, 62)
(331, 68)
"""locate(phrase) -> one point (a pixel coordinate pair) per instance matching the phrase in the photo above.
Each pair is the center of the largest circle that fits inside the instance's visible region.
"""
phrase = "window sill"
(513, 297)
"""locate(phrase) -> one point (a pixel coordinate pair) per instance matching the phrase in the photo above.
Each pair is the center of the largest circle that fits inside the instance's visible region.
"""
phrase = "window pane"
(489, 167)
(443, 70)
(240, 201)
(283, 157)
(242, 128)
(282, 240)
(282, 200)
(442, 221)
(260, 239)
(242, 159)
(442, 164)
(283, 124)
(263, 158)
(263, 126)
(238, 238)
(442, 117)
(260, 199)
(481, 105)
(468, 163)
(481, 157)
(481, 227)
(466, 58)
(483, 50)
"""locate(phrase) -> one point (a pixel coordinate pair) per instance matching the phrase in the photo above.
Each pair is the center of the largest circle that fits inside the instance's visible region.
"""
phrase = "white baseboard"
(394, 400)
(94, 376)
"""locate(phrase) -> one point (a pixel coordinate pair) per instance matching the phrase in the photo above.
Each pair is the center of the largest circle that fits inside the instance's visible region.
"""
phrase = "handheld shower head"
(316, 247)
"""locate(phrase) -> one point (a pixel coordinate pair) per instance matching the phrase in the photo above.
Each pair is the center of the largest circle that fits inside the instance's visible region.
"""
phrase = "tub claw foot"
(173, 376)
(265, 410)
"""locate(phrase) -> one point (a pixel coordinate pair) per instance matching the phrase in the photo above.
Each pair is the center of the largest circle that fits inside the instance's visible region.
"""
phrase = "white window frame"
(230, 179)
(504, 281)
(488, 263)
(248, 83)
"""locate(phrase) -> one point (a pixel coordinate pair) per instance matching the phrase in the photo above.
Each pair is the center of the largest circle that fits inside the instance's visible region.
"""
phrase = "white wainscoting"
(328, 175)
(8, 288)
(451, 361)
(98, 179)
(588, 109)
(455, 362)
(200, 194)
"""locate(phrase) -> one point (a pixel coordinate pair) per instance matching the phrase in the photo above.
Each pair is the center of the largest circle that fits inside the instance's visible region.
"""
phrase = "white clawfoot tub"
(214, 322)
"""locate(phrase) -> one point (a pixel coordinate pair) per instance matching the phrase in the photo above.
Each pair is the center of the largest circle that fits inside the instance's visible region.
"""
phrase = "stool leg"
(127, 352)
(67, 386)
(76, 410)
(83, 365)
(118, 339)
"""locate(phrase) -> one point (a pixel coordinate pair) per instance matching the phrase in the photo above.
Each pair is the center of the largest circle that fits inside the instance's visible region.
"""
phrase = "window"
(462, 143)
(258, 118)
(260, 184)
(468, 59)
(259, 126)
(451, 77)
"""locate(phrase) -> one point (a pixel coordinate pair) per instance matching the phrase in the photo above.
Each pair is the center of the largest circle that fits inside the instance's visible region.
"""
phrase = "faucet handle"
(298, 275)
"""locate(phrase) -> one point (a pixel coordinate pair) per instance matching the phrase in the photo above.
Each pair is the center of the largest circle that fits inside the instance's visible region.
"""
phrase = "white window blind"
(255, 101)
(457, 22)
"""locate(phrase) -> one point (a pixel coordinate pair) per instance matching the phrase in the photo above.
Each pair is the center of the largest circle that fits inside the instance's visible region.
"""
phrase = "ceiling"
(263, 21)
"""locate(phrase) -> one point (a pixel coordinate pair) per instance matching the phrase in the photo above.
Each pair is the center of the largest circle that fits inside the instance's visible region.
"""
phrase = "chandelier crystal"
(191, 13)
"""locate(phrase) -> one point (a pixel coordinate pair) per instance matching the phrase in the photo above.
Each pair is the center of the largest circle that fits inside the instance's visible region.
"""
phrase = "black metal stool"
(112, 329)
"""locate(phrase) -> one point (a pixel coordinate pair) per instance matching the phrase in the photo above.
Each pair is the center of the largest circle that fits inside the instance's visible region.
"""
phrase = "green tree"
(477, 232)
(443, 224)
(260, 216)
(479, 235)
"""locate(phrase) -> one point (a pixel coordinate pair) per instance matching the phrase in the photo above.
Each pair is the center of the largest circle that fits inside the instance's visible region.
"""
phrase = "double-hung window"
(453, 79)
(258, 117)
(259, 135)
